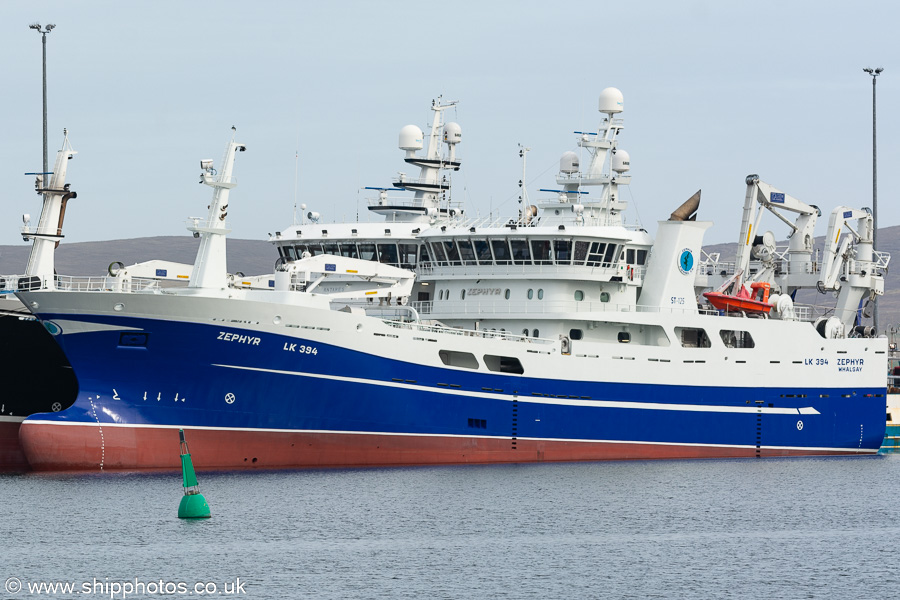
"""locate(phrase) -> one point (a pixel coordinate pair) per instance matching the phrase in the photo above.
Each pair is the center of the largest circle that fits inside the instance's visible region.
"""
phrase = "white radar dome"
(611, 101)
(411, 138)
(452, 133)
(621, 162)
(568, 163)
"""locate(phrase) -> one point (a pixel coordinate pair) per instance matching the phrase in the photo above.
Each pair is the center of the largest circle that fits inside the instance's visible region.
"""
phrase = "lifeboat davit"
(756, 301)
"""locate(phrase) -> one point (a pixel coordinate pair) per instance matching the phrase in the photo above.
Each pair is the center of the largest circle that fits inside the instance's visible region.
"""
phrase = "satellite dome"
(611, 101)
(411, 138)
(568, 163)
(452, 133)
(621, 162)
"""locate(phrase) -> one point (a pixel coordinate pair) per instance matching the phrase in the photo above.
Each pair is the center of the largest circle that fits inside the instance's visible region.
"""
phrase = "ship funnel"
(688, 210)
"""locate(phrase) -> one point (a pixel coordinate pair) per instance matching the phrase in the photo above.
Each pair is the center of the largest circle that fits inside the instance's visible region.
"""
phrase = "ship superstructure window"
(579, 295)
(563, 251)
(530, 293)
(604, 296)
(541, 294)
(634, 256)
(692, 337)
(331, 249)
(503, 364)
(452, 358)
(581, 252)
(387, 253)
(482, 251)
(407, 255)
(541, 252)
(466, 252)
(462, 294)
(501, 252)
(349, 251)
(506, 294)
(736, 339)
(289, 252)
(536, 333)
(520, 253)
(610, 253)
(576, 334)
(423, 256)
(452, 253)
(367, 252)
(437, 250)
(595, 256)
(623, 337)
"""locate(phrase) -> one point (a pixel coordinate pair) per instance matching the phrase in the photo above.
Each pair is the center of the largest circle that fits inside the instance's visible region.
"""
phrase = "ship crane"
(762, 247)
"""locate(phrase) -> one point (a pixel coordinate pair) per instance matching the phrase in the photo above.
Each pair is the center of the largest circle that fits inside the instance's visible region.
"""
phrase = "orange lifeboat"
(756, 301)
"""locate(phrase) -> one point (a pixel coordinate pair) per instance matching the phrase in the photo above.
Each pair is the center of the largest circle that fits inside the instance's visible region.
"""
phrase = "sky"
(318, 92)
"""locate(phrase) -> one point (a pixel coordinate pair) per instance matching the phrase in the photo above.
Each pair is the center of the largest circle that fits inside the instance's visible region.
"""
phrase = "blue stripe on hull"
(186, 379)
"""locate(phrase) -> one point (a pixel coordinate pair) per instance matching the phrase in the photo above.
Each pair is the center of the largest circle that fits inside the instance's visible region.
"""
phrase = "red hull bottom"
(12, 458)
(50, 447)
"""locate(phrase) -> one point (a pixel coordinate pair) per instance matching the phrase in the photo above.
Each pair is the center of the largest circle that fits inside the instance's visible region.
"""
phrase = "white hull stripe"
(765, 410)
(8, 419)
(447, 435)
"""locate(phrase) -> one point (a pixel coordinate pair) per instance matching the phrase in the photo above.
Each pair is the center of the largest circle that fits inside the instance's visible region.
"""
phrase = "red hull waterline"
(54, 447)
(12, 458)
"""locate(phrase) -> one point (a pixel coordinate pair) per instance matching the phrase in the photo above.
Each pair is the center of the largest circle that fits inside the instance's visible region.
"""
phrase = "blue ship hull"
(259, 405)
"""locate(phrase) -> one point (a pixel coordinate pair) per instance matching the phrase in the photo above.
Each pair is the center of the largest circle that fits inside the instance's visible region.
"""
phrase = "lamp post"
(874, 73)
(44, 32)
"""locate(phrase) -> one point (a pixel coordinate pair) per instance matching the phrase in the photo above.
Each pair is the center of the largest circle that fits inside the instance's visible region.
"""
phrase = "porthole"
(540, 294)
(506, 294)
(579, 295)
(530, 294)
(462, 294)
(604, 296)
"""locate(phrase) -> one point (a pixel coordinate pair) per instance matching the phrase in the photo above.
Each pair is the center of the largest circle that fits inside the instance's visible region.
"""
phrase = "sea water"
(752, 528)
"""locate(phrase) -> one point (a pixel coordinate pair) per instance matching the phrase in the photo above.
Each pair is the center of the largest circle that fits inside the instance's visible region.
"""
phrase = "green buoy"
(193, 504)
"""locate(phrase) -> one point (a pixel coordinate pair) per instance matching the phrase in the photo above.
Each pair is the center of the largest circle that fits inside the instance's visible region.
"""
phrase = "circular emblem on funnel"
(686, 261)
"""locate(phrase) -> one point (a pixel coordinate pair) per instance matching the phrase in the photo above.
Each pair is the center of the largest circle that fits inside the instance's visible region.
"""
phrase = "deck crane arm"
(777, 202)
(836, 255)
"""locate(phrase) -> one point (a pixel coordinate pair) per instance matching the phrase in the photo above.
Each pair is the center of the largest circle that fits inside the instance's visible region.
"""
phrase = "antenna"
(296, 172)
(523, 199)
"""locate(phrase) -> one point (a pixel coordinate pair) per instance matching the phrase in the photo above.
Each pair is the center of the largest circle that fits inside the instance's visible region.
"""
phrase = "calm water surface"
(772, 528)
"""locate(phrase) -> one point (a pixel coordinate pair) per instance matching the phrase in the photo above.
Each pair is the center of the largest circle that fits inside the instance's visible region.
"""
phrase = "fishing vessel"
(558, 334)
(37, 377)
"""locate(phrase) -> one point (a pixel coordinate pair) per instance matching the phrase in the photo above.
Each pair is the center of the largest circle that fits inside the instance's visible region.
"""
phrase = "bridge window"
(563, 251)
(521, 254)
(367, 252)
(581, 252)
(437, 251)
(466, 252)
(501, 252)
(452, 253)
(407, 255)
(482, 251)
(540, 252)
